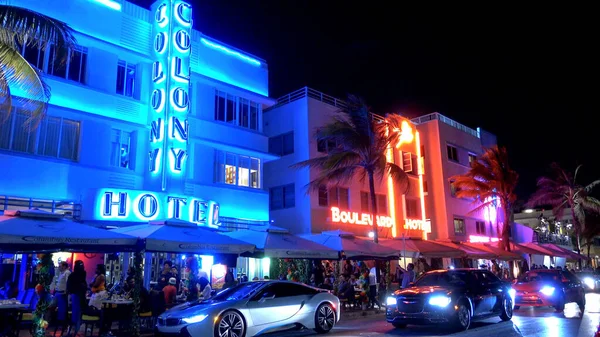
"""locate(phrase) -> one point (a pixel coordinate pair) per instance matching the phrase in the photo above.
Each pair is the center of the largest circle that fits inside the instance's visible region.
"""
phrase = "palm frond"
(16, 72)
(591, 186)
(333, 177)
(23, 26)
(399, 177)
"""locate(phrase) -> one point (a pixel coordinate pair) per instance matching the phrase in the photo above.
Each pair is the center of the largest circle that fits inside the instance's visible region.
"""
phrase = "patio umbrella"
(39, 231)
(176, 236)
(470, 252)
(500, 253)
(279, 243)
(353, 247)
(421, 248)
(568, 254)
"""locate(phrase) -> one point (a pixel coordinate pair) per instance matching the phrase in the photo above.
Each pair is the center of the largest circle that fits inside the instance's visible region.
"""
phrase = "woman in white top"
(205, 289)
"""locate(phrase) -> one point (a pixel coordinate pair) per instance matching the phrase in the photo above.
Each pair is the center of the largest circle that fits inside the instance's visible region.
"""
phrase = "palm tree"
(360, 151)
(591, 230)
(23, 27)
(563, 193)
(490, 182)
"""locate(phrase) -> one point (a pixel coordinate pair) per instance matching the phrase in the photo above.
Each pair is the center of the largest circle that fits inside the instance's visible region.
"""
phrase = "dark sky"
(526, 74)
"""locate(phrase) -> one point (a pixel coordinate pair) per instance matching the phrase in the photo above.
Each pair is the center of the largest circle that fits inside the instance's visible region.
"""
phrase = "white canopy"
(178, 236)
(352, 246)
(35, 230)
(279, 243)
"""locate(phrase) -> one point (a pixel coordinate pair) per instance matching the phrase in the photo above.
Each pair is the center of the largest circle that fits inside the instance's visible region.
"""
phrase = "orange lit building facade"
(447, 148)
(290, 125)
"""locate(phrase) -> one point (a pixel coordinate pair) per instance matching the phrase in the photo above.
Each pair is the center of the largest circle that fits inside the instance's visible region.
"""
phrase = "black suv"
(455, 296)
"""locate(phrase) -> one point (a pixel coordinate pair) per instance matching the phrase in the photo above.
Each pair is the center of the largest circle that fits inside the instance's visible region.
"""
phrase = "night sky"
(525, 74)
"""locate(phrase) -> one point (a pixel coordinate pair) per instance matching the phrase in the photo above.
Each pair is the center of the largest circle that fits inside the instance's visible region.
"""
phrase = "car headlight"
(589, 282)
(548, 291)
(512, 294)
(391, 301)
(194, 319)
(440, 301)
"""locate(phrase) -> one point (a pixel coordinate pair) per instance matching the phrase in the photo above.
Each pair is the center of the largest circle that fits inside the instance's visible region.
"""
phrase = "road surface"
(529, 322)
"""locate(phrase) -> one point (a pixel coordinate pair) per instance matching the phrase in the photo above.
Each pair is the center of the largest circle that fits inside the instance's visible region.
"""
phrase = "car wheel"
(560, 306)
(463, 316)
(324, 318)
(581, 304)
(399, 325)
(230, 324)
(507, 309)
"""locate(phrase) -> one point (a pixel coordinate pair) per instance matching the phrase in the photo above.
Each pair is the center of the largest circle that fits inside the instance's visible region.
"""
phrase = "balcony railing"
(69, 209)
(314, 94)
(551, 238)
(446, 120)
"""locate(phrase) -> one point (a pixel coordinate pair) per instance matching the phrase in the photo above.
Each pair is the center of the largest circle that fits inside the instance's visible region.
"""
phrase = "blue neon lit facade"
(150, 151)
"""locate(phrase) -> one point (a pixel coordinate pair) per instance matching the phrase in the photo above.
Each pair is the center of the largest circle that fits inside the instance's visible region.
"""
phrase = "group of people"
(195, 287)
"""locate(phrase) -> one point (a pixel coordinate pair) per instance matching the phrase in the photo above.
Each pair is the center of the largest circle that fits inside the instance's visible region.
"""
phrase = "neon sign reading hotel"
(170, 100)
(363, 219)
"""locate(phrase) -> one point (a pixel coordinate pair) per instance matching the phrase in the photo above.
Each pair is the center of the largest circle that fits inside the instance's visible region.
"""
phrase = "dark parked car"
(549, 287)
(455, 296)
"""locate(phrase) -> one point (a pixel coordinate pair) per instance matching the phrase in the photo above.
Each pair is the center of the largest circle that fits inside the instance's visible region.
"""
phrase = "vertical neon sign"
(170, 101)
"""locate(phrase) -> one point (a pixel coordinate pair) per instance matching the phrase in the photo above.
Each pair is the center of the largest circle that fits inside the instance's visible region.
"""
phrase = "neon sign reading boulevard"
(363, 219)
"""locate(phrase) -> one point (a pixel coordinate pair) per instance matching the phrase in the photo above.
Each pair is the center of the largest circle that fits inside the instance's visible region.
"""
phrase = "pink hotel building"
(436, 149)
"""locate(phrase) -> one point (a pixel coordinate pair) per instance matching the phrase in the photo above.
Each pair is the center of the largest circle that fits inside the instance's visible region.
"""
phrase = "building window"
(75, 67)
(422, 150)
(282, 145)
(234, 169)
(326, 146)
(323, 196)
(70, 64)
(409, 162)
(453, 189)
(120, 147)
(236, 110)
(452, 153)
(334, 196)
(281, 197)
(412, 209)
(54, 137)
(365, 203)
(125, 79)
(459, 226)
(425, 190)
(381, 204)
(480, 227)
(472, 158)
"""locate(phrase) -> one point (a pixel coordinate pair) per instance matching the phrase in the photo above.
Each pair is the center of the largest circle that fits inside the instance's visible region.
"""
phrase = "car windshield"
(238, 292)
(444, 279)
(539, 277)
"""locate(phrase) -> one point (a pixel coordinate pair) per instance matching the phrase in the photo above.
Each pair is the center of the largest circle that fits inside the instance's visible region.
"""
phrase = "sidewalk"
(348, 315)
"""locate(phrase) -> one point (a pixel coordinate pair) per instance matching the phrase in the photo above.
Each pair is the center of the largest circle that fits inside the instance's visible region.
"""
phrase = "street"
(530, 322)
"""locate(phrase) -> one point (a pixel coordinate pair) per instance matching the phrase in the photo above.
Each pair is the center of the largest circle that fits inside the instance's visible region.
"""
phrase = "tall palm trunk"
(577, 233)
(373, 206)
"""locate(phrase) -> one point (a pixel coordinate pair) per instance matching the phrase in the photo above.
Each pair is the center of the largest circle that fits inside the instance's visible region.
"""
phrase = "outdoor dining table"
(8, 309)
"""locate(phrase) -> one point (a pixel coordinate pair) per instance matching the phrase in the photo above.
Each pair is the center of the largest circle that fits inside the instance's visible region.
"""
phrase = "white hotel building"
(149, 119)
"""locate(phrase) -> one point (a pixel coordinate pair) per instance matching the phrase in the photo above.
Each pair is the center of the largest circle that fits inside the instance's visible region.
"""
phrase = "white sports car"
(253, 308)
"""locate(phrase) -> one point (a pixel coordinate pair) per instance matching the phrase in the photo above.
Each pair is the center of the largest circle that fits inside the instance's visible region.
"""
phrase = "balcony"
(557, 239)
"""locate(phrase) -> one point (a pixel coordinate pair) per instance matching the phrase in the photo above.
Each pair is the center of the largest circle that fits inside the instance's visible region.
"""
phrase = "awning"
(39, 231)
(540, 250)
(176, 236)
(500, 253)
(520, 249)
(279, 243)
(567, 253)
(351, 246)
(421, 248)
(470, 252)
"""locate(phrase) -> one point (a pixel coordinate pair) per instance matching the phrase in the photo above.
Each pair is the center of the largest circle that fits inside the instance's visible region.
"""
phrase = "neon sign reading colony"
(363, 219)
(170, 100)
